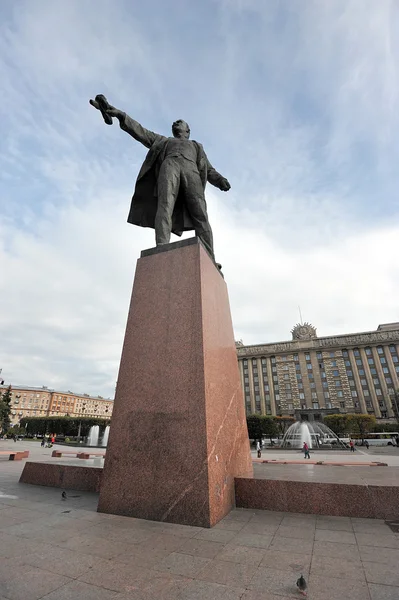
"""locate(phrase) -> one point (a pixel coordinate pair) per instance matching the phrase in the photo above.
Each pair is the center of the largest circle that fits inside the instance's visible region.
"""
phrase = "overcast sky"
(296, 103)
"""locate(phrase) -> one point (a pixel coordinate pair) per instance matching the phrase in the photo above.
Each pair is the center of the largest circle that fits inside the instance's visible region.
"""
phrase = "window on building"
(359, 362)
(383, 360)
(286, 376)
(361, 371)
(342, 404)
(273, 360)
(347, 363)
(277, 397)
(378, 392)
(349, 373)
(309, 366)
(344, 353)
(370, 361)
(388, 379)
(395, 359)
(274, 369)
(373, 371)
(338, 383)
(296, 357)
(302, 396)
(256, 379)
(326, 394)
(340, 394)
(376, 381)
(307, 356)
(319, 355)
(315, 405)
(380, 350)
(385, 370)
(263, 361)
(333, 363)
(352, 383)
(314, 395)
(266, 387)
(290, 406)
(354, 393)
(256, 388)
(325, 384)
(298, 367)
(310, 375)
(288, 396)
(335, 373)
(356, 352)
(287, 386)
(332, 354)
(300, 386)
(321, 365)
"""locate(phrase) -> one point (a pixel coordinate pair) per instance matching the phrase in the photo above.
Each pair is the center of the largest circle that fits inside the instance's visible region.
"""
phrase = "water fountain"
(92, 438)
(104, 441)
(314, 433)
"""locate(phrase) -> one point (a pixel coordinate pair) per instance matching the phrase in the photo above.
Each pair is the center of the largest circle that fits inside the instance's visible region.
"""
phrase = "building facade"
(44, 402)
(313, 376)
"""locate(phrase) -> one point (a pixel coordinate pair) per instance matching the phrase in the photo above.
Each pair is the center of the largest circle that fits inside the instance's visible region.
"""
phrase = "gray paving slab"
(55, 550)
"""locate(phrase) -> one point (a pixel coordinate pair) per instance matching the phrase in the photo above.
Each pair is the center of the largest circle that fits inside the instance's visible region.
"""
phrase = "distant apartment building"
(44, 402)
(310, 376)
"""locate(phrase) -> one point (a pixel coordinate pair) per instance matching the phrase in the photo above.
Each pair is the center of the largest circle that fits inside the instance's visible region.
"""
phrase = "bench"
(79, 454)
(15, 455)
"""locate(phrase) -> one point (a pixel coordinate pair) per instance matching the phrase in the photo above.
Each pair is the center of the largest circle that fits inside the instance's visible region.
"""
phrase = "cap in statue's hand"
(101, 103)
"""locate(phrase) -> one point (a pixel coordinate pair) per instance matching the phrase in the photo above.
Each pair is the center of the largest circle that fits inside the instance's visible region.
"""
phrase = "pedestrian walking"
(352, 445)
(43, 442)
(367, 444)
(258, 449)
(306, 450)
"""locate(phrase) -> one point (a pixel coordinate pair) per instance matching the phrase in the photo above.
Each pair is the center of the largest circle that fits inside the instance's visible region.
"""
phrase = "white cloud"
(296, 106)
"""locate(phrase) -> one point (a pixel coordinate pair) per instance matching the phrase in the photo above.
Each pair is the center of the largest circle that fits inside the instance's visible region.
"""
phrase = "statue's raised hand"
(101, 103)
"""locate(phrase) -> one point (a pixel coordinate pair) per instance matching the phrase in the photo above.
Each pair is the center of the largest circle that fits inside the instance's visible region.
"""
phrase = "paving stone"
(32, 584)
(336, 550)
(182, 564)
(383, 592)
(216, 535)
(286, 561)
(302, 533)
(331, 588)
(334, 523)
(371, 527)
(253, 540)
(205, 590)
(228, 573)
(241, 554)
(91, 545)
(78, 590)
(380, 573)
(117, 577)
(299, 521)
(203, 548)
(260, 528)
(379, 541)
(158, 586)
(380, 555)
(264, 595)
(275, 581)
(282, 544)
(63, 561)
(342, 537)
(337, 567)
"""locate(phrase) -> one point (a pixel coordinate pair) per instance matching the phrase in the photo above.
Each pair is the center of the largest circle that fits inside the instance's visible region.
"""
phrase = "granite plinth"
(338, 491)
(178, 435)
(69, 477)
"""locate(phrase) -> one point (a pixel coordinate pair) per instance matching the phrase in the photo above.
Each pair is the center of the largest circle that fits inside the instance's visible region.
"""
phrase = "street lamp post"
(80, 422)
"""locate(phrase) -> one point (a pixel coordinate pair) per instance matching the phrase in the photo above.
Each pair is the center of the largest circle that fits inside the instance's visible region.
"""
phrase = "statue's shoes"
(101, 103)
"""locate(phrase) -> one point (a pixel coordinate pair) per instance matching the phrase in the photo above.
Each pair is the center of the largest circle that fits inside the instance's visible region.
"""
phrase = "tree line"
(260, 426)
(67, 426)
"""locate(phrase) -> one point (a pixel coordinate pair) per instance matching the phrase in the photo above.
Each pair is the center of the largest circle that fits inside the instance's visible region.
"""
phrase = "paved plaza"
(52, 549)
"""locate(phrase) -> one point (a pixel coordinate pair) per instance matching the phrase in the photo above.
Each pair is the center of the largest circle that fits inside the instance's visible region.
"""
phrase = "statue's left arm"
(214, 177)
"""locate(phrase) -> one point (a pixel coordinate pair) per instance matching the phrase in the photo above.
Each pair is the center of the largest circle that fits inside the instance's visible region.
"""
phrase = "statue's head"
(180, 129)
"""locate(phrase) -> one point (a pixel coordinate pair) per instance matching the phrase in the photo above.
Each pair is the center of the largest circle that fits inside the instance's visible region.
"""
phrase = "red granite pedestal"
(178, 436)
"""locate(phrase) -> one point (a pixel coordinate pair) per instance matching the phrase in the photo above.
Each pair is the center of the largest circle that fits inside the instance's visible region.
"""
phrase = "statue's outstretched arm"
(132, 127)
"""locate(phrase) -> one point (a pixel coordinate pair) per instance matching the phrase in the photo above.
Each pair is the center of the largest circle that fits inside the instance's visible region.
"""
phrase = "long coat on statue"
(144, 202)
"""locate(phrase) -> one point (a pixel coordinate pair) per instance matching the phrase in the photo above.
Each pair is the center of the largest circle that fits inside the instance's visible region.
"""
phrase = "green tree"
(361, 424)
(68, 426)
(269, 427)
(395, 404)
(5, 410)
(338, 423)
(283, 423)
(254, 424)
